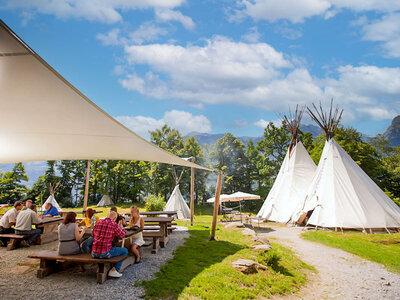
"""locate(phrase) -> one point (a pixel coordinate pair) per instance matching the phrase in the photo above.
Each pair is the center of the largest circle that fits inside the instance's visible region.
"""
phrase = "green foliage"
(155, 203)
(11, 184)
(380, 248)
(201, 269)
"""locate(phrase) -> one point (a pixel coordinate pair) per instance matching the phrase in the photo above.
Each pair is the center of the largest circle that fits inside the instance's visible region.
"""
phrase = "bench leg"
(130, 260)
(156, 245)
(163, 241)
(102, 272)
(46, 267)
(12, 244)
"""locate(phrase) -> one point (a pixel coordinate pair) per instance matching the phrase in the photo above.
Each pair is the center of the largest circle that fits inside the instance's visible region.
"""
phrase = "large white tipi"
(294, 177)
(176, 202)
(341, 194)
(105, 201)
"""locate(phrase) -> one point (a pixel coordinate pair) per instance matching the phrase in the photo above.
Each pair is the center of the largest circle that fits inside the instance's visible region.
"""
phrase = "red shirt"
(103, 234)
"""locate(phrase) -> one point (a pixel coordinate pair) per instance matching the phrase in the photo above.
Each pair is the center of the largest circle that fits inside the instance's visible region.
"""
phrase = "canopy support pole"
(191, 194)
(85, 200)
(216, 204)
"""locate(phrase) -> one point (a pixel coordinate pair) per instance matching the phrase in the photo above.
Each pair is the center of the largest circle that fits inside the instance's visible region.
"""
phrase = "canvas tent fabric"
(177, 203)
(342, 195)
(290, 186)
(52, 200)
(44, 117)
(105, 200)
(235, 197)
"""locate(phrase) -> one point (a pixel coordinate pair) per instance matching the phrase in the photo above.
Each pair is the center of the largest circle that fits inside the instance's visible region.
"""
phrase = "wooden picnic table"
(64, 212)
(50, 229)
(163, 222)
(169, 213)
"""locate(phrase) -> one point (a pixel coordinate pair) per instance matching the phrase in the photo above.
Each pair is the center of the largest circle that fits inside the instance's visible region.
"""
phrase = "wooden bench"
(156, 236)
(169, 228)
(51, 261)
(15, 239)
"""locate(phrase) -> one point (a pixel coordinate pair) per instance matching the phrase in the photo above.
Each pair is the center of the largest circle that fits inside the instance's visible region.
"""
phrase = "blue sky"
(220, 66)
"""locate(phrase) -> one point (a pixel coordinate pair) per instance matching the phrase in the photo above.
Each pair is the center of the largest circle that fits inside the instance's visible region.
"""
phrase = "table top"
(49, 220)
(155, 213)
(128, 232)
(158, 219)
(78, 212)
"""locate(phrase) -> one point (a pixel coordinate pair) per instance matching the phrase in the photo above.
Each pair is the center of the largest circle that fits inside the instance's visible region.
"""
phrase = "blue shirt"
(51, 212)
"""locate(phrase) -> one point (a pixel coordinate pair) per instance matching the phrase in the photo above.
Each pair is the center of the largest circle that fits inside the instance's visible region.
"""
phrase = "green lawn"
(202, 268)
(380, 248)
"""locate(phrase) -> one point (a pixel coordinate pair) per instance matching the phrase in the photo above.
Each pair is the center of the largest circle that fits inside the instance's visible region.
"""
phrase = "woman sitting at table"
(137, 239)
(90, 218)
(69, 236)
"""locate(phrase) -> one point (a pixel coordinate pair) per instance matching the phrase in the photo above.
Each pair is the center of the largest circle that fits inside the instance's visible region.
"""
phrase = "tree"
(11, 187)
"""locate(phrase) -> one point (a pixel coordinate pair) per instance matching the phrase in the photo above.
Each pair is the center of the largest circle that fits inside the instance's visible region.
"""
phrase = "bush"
(155, 203)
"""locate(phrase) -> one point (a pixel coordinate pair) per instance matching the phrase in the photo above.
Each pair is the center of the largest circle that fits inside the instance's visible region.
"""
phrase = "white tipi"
(294, 177)
(51, 199)
(341, 194)
(176, 202)
(105, 200)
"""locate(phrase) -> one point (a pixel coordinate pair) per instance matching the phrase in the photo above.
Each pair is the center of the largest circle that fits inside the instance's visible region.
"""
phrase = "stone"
(19, 270)
(262, 239)
(264, 247)
(30, 262)
(247, 266)
(248, 231)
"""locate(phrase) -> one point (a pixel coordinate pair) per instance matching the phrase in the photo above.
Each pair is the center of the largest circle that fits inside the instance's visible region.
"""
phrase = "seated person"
(119, 217)
(69, 236)
(23, 226)
(103, 234)
(137, 239)
(50, 210)
(90, 218)
(28, 204)
(9, 219)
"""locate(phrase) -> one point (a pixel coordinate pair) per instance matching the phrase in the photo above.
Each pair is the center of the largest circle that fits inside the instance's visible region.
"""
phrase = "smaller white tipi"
(105, 201)
(294, 177)
(176, 201)
(51, 199)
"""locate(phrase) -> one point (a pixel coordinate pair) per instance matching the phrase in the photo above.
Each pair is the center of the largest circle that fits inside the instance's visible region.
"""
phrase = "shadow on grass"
(273, 261)
(197, 254)
(263, 229)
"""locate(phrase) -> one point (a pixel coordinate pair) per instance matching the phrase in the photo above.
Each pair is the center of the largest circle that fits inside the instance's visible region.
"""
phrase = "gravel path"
(341, 275)
(67, 285)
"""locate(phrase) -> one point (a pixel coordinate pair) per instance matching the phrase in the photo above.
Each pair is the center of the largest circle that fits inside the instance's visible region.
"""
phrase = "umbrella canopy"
(235, 197)
(44, 117)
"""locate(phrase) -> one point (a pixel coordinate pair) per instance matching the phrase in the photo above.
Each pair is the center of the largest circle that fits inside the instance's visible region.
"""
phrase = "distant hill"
(209, 139)
(392, 134)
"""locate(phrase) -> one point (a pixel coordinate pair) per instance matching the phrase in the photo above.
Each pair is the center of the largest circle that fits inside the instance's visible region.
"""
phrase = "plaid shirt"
(103, 234)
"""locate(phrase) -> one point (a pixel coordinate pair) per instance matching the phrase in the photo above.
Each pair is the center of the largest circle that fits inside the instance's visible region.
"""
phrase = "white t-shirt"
(9, 217)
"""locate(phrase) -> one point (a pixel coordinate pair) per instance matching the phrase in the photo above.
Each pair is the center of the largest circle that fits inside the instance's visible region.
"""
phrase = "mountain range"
(392, 134)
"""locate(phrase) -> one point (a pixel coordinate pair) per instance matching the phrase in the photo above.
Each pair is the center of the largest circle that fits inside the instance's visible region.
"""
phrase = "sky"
(220, 66)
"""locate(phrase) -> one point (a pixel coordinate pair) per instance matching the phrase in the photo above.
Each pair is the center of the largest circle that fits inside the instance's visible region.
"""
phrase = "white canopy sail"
(44, 117)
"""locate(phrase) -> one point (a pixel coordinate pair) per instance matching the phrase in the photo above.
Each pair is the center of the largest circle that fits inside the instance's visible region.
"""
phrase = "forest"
(246, 167)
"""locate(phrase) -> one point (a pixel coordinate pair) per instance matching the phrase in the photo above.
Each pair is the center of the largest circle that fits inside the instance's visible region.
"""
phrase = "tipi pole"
(85, 200)
(191, 194)
(216, 204)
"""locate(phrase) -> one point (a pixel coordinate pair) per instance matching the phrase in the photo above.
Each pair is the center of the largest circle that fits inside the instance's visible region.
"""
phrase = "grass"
(202, 268)
(380, 248)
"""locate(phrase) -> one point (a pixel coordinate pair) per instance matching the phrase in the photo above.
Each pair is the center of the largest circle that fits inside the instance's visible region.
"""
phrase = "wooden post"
(85, 200)
(216, 204)
(191, 194)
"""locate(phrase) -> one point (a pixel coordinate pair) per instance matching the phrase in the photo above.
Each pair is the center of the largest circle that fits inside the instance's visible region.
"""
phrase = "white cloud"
(264, 123)
(93, 10)
(385, 30)
(253, 36)
(110, 38)
(184, 122)
(166, 15)
(146, 32)
(293, 10)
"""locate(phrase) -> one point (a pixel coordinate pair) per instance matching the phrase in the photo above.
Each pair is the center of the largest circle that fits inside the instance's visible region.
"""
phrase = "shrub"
(155, 203)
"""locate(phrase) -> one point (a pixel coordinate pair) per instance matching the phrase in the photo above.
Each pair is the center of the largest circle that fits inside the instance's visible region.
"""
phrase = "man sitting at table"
(50, 210)
(28, 204)
(119, 219)
(23, 226)
(8, 220)
(103, 235)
